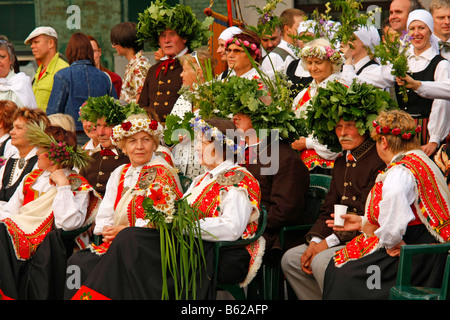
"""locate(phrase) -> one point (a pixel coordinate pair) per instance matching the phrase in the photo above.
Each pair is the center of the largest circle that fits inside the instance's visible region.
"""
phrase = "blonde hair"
(202, 56)
(318, 48)
(401, 120)
(62, 120)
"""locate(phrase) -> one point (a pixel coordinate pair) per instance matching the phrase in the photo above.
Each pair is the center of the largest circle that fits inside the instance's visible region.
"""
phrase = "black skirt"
(131, 268)
(372, 277)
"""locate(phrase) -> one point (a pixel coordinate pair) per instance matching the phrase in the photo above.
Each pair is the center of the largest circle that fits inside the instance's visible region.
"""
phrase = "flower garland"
(322, 52)
(200, 125)
(252, 46)
(160, 16)
(133, 126)
(182, 251)
(406, 135)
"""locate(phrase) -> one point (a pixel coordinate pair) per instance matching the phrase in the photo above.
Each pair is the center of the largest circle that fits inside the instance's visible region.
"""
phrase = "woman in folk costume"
(227, 201)
(138, 137)
(237, 48)
(50, 197)
(323, 63)
(409, 204)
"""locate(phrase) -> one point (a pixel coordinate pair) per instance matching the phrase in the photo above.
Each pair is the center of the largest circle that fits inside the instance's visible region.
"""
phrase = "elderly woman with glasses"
(241, 50)
(14, 86)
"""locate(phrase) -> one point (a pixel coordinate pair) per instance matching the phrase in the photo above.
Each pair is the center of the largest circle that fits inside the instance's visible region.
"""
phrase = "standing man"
(285, 52)
(163, 80)
(44, 45)
(440, 10)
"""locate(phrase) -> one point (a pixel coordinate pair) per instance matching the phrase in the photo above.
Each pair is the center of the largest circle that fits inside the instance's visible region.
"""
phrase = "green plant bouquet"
(58, 152)
(174, 123)
(359, 102)
(115, 111)
(267, 21)
(160, 16)
(182, 253)
(394, 51)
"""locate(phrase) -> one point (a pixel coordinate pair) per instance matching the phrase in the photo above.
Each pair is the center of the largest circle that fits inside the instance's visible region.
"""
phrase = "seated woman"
(323, 64)
(138, 137)
(51, 197)
(24, 160)
(227, 197)
(400, 210)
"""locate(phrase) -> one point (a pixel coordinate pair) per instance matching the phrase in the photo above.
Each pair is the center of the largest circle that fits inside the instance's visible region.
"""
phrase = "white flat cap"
(49, 31)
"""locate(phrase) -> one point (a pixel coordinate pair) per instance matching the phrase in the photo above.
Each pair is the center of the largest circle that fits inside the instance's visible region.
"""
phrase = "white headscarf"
(427, 18)
(369, 36)
(229, 33)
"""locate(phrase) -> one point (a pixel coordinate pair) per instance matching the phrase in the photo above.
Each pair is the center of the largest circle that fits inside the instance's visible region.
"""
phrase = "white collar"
(28, 156)
(182, 53)
(358, 65)
(428, 54)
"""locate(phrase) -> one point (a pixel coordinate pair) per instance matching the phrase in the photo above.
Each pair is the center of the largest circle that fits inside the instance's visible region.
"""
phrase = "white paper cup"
(339, 209)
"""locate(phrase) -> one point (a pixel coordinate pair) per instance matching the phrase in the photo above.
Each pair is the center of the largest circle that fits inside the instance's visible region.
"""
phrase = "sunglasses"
(194, 55)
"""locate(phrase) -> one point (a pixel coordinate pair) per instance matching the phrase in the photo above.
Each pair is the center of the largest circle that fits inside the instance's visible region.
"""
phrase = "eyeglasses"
(235, 51)
(194, 55)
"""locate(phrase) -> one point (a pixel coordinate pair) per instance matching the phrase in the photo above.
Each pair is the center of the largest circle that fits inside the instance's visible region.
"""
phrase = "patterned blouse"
(134, 77)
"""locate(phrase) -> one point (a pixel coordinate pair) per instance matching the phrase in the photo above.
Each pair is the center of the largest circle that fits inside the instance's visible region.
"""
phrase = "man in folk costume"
(353, 176)
(50, 197)
(164, 27)
(409, 204)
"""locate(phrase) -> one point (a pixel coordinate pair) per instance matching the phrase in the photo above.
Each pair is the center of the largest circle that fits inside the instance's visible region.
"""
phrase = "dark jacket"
(350, 185)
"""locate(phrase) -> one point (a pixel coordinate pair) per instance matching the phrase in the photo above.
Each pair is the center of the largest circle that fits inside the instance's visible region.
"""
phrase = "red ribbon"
(165, 63)
(107, 152)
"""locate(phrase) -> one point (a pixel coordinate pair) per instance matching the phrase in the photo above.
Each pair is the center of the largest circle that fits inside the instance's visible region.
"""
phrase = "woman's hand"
(409, 82)
(395, 251)
(110, 232)
(353, 222)
(59, 178)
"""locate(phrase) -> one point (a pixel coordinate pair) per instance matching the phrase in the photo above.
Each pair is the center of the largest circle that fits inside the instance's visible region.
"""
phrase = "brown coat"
(350, 185)
(283, 193)
(159, 94)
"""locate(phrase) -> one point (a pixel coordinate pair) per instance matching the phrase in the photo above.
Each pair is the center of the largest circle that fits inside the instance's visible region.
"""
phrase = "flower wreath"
(320, 52)
(405, 135)
(133, 126)
(200, 125)
(160, 16)
(252, 46)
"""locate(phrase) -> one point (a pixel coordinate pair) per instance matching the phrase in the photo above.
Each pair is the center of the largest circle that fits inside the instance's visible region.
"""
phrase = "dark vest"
(417, 106)
(298, 83)
(7, 191)
(371, 62)
(3, 146)
(99, 169)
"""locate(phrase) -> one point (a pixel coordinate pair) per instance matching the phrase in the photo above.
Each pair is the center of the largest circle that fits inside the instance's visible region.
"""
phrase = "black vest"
(7, 191)
(298, 83)
(417, 106)
(371, 62)
(2, 147)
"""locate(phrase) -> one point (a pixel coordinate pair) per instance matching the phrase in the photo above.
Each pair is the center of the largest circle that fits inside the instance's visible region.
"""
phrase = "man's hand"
(309, 254)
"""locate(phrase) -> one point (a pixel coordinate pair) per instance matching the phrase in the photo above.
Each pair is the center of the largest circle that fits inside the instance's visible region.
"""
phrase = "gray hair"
(9, 48)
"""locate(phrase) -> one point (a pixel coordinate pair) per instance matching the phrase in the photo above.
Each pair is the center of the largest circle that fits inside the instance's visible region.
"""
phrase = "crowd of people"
(83, 148)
